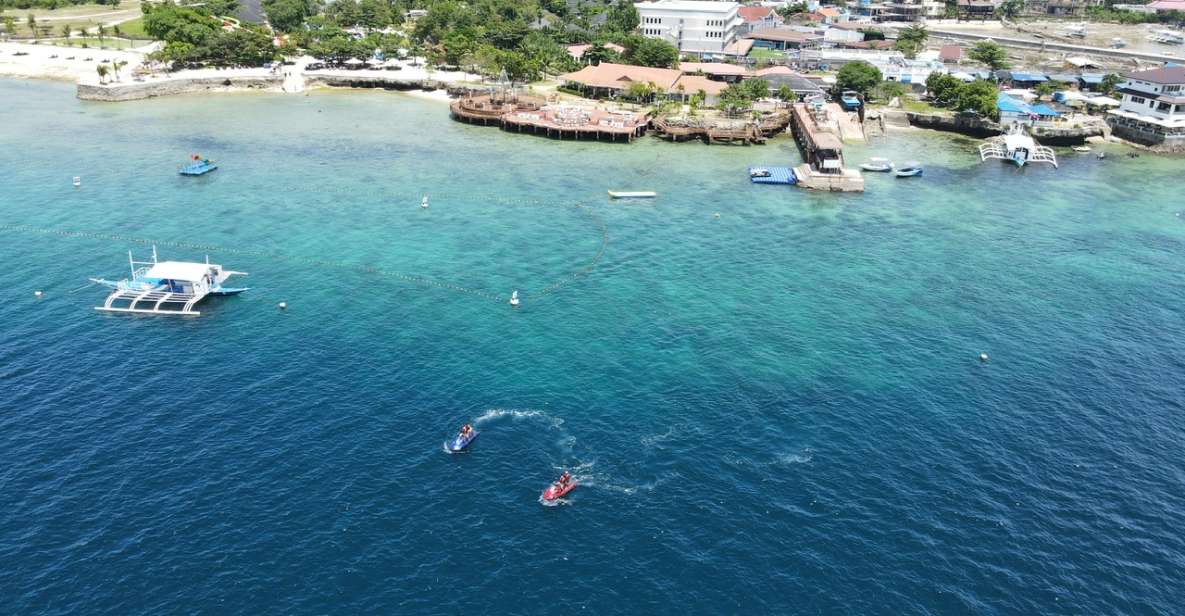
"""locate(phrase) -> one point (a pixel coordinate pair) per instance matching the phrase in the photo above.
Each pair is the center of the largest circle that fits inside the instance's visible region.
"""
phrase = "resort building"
(982, 10)
(783, 38)
(758, 17)
(1016, 111)
(607, 80)
(694, 26)
(1152, 111)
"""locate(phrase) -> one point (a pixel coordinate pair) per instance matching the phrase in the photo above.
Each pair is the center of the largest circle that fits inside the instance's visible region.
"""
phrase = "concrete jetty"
(823, 153)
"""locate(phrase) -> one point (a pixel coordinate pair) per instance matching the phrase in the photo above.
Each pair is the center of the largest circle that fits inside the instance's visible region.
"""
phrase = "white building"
(698, 27)
(1152, 111)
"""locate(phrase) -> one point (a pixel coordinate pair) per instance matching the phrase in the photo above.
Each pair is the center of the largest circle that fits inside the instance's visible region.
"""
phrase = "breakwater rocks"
(978, 126)
(138, 90)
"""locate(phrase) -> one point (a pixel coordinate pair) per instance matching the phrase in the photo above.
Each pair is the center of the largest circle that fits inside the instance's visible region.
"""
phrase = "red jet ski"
(558, 489)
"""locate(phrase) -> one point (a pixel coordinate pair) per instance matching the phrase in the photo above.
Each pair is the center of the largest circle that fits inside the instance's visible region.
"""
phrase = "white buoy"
(38, 293)
(424, 202)
(983, 357)
(717, 214)
(514, 298)
(282, 305)
(77, 181)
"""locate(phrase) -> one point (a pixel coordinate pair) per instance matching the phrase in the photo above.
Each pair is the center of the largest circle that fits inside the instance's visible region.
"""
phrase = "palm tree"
(102, 33)
(102, 71)
(32, 22)
(9, 25)
(116, 65)
(66, 30)
(116, 30)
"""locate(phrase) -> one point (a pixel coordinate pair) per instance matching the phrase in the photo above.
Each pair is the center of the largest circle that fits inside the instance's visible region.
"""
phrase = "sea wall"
(139, 90)
(974, 126)
(1155, 138)
(313, 79)
(978, 126)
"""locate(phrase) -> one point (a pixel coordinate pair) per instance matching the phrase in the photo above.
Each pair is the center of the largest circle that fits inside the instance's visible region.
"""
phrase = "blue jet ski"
(460, 443)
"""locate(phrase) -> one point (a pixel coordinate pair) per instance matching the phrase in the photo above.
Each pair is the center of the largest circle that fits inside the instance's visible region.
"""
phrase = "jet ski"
(557, 490)
(460, 443)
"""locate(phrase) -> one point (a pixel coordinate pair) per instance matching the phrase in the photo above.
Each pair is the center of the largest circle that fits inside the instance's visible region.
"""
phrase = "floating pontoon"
(166, 287)
(198, 166)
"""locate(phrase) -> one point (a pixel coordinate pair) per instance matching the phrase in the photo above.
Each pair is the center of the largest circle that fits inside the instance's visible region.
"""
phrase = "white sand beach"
(45, 61)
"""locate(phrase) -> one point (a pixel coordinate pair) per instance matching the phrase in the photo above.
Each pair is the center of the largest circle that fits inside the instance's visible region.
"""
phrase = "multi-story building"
(697, 27)
(1152, 111)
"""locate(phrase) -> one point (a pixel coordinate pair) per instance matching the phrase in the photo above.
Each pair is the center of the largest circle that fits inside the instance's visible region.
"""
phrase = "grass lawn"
(766, 54)
(134, 29)
(912, 104)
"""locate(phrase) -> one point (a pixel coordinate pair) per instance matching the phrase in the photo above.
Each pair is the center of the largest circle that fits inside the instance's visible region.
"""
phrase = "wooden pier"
(534, 115)
(823, 153)
(723, 131)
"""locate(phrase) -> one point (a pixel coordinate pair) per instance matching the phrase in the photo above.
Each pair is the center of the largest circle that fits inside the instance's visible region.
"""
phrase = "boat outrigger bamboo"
(166, 287)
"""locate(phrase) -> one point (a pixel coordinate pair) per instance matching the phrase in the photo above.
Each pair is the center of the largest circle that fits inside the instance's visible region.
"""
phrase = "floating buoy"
(38, 293)
(514, 298)
(282, 305)
(983, 357)
(717, 214)
(77, 181)
(424, 202)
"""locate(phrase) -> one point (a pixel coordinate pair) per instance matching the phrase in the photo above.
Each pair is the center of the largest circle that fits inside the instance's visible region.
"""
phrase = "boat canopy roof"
(179, 270)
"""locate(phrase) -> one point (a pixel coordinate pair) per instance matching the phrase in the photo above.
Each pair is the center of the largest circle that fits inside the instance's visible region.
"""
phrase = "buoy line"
(549, 289)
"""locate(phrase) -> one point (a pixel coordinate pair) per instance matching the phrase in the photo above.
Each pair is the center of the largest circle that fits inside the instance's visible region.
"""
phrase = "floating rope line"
(378, 271)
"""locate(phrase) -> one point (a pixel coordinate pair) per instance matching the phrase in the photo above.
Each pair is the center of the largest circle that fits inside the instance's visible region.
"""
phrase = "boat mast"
(131, 264)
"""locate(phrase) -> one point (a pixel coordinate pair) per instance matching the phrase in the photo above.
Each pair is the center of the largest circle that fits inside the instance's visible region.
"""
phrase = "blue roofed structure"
(1016, 111)
(1021, 77)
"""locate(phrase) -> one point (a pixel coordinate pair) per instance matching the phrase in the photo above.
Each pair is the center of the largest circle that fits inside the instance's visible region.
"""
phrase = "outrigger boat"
(159, 287)
(1018, 148)
(632, 194)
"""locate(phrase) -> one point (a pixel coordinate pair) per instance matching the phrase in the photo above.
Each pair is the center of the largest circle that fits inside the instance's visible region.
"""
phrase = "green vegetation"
(52, 4)
(1110, 82)
(740, 96)
(1102, 13)
(1010, 9)
(979, 96)
(651, 52)
(989, 53)
(888, 90)
(132, 29)
(194, 37)
(859, 76)
(1044, 89)
(911, 40)
(759, 54)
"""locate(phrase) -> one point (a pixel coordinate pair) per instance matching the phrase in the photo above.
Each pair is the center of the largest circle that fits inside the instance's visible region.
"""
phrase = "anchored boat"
(908, 170)
(634, 194)
(166, 287)
(1018, 148)
(198, 166)
(877, 165)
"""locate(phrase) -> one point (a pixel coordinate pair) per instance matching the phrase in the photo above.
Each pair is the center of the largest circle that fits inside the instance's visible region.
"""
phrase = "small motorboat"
(634, 194)
(198, 166)
(424, 202)
(908, 170)
(877, 165)
(1081, 148)
(557, 490)
(461, 441)
(514, 298)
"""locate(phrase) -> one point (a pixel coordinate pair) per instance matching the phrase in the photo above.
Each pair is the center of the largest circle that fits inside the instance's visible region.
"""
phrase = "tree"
(911, 40)
(66, 30)
(786, 94)
(989, 53)
(102, 71)
(651, 52)
(116, 65)
(32, 23)
(1010, 8)
(1110, 82)
(102, 33)
(755, 88)
(789, 10)
(735, 98)
(375, 13)
(598, 53)
(288, 15)
(1044, 89)
(622, 17)
(639, 91)
(9, 24)
(979, 97)
(859, 76)
(943, 88)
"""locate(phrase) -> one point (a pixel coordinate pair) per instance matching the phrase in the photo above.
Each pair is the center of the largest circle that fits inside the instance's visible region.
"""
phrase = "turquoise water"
(776, 410)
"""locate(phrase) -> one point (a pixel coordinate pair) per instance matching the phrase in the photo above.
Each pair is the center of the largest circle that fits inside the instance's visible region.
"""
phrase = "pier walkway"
(823, 153)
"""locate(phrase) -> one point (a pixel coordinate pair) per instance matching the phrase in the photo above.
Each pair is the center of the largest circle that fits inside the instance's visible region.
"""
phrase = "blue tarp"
(1017, 76)
(1091, 78)
(1043, 110)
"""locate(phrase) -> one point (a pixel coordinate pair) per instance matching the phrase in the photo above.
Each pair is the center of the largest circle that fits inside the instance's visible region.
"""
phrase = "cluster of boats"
(884, 165)
(551, 494)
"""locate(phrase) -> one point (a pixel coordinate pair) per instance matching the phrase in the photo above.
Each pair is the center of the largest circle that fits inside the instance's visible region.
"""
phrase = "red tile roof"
(620, 76)
(755, 13)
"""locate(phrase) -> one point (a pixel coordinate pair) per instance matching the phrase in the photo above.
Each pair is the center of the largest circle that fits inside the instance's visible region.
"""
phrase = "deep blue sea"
(777, 410)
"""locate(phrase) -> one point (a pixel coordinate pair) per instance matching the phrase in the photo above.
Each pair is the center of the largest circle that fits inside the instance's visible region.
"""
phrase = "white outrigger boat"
(1018, 148)
(159, 287)
(632, 194)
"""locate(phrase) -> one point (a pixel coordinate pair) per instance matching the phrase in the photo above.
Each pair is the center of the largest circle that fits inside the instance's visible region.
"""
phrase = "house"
(1166, 5)
(608, 79)
(781, 76)
(757, 17)
(577, 51)
(913, 10)
(845, 32)
(717, 71)
(1015, 111)
(970, 10)
(697, 27)
(950, 54)
(783, 38)
(1021, 79)
(1152, 111)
